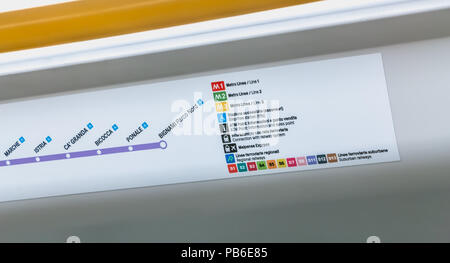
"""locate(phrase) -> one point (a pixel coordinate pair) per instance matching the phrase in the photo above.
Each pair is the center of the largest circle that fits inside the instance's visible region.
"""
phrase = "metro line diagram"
(87, 153)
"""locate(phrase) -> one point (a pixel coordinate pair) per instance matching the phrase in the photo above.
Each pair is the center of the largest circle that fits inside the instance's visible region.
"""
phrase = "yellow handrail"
(90, 19)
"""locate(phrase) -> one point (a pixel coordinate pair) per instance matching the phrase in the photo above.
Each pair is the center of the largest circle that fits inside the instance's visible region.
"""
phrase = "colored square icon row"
(234, 167)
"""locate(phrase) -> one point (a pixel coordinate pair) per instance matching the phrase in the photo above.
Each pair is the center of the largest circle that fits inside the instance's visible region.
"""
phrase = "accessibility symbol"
(222, 117)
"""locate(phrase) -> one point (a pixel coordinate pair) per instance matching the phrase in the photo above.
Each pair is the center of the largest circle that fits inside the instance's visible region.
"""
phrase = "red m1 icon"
(218, 86)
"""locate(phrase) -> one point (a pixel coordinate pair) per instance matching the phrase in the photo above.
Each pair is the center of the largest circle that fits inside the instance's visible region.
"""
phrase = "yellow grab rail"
(90, 19)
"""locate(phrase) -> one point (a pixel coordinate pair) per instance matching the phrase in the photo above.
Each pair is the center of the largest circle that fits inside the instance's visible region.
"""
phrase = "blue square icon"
(311, 159)
(48, 139)
(222, 117)
(90, 126)
(230, 158)
(144, 125)
(21, 140)
(200, 102)
(115, 127)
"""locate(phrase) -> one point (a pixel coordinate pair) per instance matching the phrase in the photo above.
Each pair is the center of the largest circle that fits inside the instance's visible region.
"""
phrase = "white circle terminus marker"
(163, 144)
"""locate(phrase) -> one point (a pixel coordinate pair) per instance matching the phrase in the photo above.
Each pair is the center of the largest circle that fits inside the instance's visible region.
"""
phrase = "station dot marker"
(8, 162)
(38, 159)
(67, 156)
(130, 148)
(99, 152)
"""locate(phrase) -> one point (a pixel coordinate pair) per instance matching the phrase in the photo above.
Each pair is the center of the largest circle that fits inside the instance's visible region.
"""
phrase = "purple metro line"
(87, 153)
